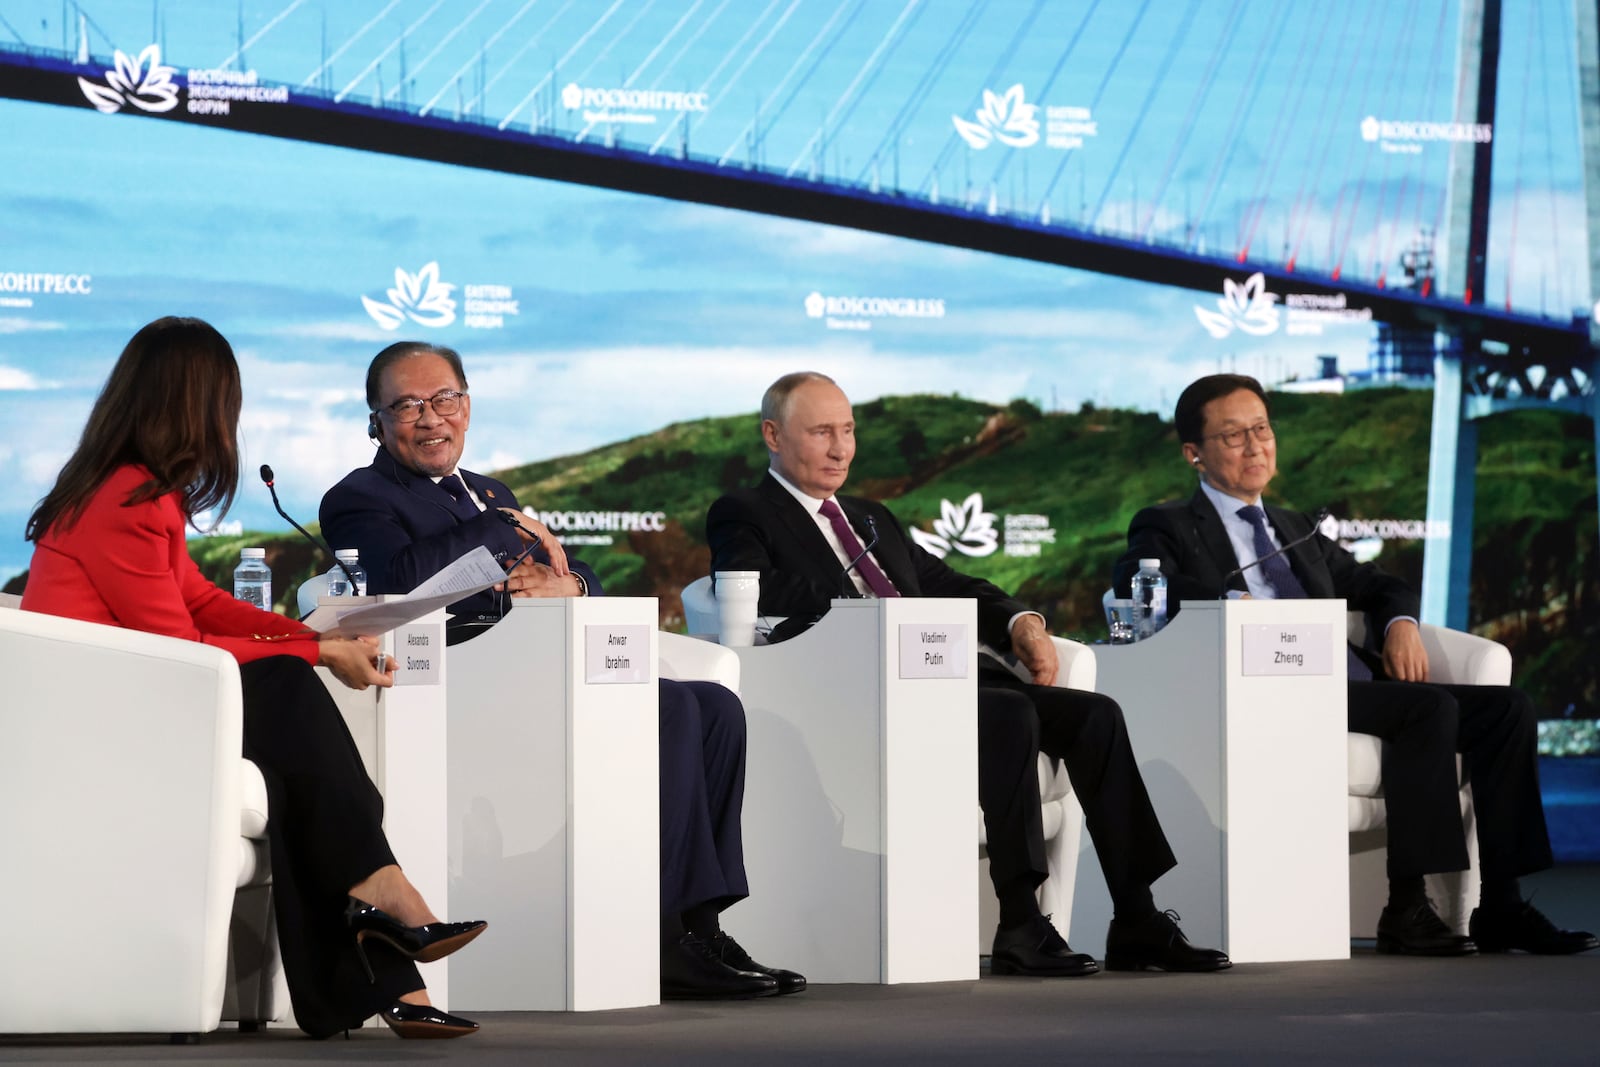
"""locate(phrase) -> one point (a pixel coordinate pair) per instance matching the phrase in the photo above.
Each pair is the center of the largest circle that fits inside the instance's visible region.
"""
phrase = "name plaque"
(418, 654)
(933, 650)
(1287, 648)
(616, 655)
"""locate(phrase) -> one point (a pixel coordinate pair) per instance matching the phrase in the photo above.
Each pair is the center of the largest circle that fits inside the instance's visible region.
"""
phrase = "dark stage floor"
(1370, 1009)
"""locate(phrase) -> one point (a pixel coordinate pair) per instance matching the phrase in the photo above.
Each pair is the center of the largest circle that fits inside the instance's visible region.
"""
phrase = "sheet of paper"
(472, 573)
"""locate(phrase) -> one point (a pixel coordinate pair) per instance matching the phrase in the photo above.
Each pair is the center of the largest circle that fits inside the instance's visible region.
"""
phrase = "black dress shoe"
(426, 943)
(1417, 930)
(425, 1021)
(691, 970)
(1525, 927)
(1156, 943)
(733, 954)
(1036, 949)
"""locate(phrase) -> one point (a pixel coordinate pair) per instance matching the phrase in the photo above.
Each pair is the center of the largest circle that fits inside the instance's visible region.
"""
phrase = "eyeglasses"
(1261, 431)
(444, 402)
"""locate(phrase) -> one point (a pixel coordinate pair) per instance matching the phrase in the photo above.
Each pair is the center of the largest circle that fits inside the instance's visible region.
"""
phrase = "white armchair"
(1063, 818)
(1453, 657)
(131, 822)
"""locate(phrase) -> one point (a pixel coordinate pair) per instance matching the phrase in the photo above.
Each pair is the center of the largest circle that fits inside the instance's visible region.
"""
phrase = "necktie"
(462, 506)
(1281, 577)
(877, 581)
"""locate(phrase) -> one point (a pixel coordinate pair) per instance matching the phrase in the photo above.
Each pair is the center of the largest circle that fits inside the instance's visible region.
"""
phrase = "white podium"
(554, 826)
(1246, 762)
(860, 795)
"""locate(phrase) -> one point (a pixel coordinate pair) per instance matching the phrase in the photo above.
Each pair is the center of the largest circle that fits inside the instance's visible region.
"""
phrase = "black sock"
(1132, 904)
(1500, 894)
(1407, 893)
(671, 929)
(1017, 902)
(701, 921)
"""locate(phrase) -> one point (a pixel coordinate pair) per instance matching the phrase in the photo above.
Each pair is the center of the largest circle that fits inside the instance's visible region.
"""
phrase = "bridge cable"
(1384, 236)
(1043, 92)
(479, 55)
(311, 78)
(1255, 209)
(1208, 81)
(1336, 258)
(411, 74)
(568, 54)
(848, 100)
(737, 49)
(1305, 198)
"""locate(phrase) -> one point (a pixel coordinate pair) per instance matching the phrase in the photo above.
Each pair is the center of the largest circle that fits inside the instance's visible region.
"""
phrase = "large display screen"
(985, 220)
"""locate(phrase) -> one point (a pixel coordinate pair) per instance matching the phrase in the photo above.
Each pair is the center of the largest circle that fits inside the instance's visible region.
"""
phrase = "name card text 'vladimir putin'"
(933, 650)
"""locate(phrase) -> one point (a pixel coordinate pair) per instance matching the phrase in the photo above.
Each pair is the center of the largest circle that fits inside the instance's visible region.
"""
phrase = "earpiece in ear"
(1195, 460)
(374, 427)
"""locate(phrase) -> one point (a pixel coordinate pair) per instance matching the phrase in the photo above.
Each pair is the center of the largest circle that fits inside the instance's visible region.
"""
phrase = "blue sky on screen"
(635, 312)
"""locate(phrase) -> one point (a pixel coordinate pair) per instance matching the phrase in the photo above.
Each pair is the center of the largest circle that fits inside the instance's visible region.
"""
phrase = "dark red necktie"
(876, 580)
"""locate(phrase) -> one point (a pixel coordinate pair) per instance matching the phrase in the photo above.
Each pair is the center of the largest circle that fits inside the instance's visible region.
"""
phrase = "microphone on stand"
(872, 542)
(510, 520)
(1296, 543)
(266, 476)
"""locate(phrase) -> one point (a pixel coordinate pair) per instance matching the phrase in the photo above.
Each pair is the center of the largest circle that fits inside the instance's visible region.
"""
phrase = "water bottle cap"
(1150, 564)
(252, 553)
(348, 555)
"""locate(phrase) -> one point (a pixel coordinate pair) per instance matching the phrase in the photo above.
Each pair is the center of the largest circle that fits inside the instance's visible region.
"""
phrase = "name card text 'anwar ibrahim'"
(616, 655)
(933, 650)
(1287, 648)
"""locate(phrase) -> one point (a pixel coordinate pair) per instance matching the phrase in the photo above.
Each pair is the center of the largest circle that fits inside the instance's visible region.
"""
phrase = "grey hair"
(776, 402)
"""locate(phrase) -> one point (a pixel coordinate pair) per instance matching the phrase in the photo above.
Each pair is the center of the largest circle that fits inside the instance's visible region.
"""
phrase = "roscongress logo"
(966, 528)
(857, 312)
(1406, 136)
(143, 82)
(1008, 118)
(639, 106)
(420, 297)
(1248, 307)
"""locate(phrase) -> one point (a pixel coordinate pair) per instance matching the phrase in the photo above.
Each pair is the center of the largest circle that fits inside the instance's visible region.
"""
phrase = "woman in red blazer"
(161, 447)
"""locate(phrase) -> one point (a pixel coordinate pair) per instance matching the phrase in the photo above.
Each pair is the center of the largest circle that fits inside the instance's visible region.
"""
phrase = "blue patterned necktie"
(463, 507)
(1281, 577)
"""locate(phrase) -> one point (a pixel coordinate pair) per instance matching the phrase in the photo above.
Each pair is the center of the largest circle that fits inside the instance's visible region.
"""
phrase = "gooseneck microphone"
(872, 542)
(511, 520)
(266, 476)
(1296, 543)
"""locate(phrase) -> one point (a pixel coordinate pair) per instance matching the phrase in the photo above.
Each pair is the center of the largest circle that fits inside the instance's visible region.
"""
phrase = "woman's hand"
(355, 661)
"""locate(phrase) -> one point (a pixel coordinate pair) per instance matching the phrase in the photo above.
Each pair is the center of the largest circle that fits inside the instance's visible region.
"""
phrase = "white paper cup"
(737, 594)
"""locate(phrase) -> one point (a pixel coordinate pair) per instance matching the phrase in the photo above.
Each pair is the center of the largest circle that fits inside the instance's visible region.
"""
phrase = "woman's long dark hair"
(172, 404)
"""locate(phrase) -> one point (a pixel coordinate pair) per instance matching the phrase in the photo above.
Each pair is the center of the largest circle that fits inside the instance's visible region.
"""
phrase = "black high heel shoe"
(425, 1021)
(432, 941)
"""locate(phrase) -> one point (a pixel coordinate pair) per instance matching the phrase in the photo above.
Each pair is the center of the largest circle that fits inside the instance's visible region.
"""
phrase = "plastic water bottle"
(252, 578)
(1149, 599)
(338, 584)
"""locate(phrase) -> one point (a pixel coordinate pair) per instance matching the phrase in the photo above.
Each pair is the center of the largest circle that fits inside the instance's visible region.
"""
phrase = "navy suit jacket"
(766, 529)
(1196, 555)
(406, 530)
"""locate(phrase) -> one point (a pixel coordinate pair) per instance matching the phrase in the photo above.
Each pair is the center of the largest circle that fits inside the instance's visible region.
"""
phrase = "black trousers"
(702, 796)
(1086, 731)
(1423, 726)
(325, 832)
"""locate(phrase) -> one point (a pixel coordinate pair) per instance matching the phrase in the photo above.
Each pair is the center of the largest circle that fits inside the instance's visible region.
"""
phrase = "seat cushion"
(252, 802)
(1366, 765)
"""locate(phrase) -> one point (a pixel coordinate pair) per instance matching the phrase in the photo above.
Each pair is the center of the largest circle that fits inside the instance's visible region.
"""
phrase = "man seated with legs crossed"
(413, 510)
(800, 535)
(1205, 541)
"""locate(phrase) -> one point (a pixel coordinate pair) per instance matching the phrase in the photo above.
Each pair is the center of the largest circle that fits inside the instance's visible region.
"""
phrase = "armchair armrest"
(686, 659)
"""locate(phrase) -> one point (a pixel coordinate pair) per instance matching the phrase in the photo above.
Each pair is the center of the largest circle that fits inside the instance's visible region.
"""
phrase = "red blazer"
(130, 567)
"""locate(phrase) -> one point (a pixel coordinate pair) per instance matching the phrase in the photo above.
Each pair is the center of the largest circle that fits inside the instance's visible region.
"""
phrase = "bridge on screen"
(1202, 209)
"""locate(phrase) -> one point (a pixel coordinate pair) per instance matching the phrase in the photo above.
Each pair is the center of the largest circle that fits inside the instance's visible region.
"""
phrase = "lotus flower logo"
(421, 297)
(966, 528)
(1248, 307)
(816, 304)
(143, 82)
(1002, 118)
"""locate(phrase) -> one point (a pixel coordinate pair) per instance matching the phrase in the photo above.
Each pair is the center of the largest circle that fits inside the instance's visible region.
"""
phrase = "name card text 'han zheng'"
(933, 650)
(1287, 648)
